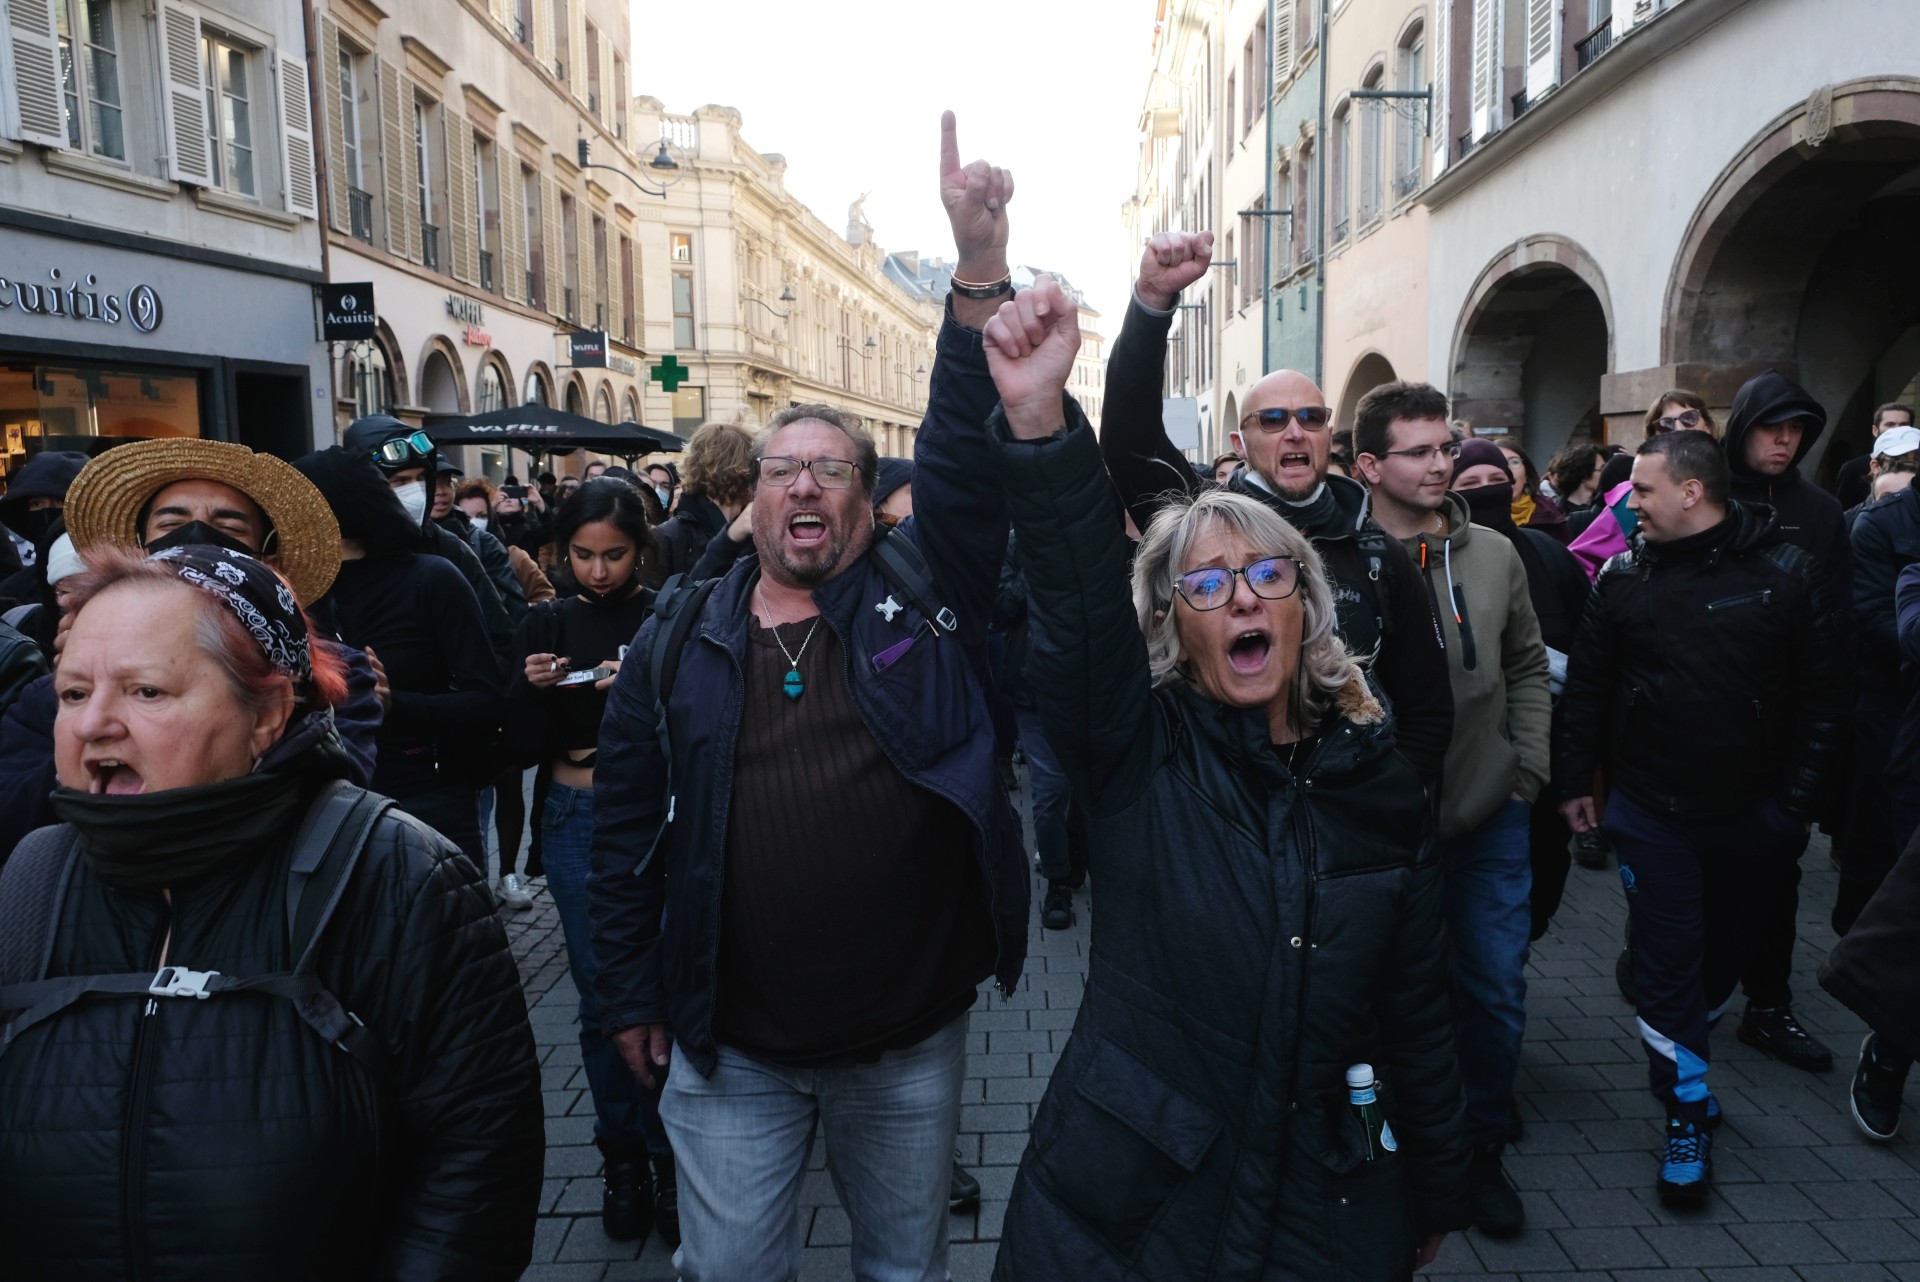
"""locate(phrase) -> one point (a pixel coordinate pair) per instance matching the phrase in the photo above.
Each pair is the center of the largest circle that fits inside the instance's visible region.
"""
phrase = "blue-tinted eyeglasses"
(1274, 579)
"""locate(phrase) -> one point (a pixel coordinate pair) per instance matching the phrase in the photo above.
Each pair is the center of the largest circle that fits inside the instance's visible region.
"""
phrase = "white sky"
(851, 94)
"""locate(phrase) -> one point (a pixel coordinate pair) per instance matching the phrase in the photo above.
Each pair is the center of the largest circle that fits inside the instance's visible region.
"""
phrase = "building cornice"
(423, 64)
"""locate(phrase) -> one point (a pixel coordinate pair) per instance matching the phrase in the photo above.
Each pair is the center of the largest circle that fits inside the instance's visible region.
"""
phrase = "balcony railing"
(1406, 183)
(559, 70)
(1340, 230)
(520, 32)
(486, 270)
(360, 214)
(1466, 143)
(1520, 104)
(535, 293)
(566, 305)
(430, 245)
(1596, 43)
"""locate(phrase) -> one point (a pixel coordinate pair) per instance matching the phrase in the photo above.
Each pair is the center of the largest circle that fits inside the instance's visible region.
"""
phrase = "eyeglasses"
(831, 473)
(1274, 579)
(1275, 418)
(402, 448)
(1424, 454)
(1689, 420)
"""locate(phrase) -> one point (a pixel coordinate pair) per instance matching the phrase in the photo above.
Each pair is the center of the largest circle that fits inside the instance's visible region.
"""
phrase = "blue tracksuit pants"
(1698, 891)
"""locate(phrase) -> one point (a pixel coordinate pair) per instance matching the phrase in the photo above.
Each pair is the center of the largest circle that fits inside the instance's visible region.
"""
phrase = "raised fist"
(976, 197)
(1032, 342)
(1172, 261)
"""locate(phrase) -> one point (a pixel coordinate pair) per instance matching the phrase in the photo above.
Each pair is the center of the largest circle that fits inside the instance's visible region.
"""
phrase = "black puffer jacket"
(1259, 932)
(224, 1139)
(1708, 676)
(684, 536)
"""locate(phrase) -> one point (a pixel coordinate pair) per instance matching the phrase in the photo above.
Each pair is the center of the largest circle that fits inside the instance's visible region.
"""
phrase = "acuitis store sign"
(82, 299)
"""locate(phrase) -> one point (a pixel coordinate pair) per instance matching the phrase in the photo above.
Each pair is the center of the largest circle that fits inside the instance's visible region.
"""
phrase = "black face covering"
(32, 526)
(199, 532)
(1490, 505)
(154, 840)
(602, 600)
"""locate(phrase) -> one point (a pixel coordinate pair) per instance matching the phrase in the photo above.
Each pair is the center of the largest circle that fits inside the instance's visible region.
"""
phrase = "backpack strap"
(33, 891)
(19, 614)
(328, 846)
(678, 608)
(905, 566)
(1372, 541)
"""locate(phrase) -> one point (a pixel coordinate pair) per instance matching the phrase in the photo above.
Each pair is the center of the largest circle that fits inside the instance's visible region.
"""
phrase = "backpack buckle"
(178, 981)
(947, 619)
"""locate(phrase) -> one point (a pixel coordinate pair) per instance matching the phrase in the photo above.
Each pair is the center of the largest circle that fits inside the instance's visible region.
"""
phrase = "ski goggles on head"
(402, 448)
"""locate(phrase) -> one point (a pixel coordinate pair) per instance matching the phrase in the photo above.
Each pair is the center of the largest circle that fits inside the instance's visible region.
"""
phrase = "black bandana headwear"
(255, 595)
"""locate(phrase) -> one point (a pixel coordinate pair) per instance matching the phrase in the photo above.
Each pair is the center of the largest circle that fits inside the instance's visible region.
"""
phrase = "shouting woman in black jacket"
(386, 1126)
(1270, 910)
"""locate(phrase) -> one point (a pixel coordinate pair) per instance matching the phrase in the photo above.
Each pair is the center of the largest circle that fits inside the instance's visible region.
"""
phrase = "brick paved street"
(1800, 1196)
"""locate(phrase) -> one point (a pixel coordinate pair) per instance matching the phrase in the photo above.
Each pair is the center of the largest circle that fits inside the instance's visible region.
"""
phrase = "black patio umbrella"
(542, 430)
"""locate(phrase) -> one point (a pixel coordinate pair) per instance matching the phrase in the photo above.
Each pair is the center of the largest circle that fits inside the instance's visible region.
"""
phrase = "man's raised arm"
(1133, 439)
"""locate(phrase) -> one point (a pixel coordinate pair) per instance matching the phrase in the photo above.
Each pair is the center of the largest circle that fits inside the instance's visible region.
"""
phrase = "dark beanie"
(894, 473)
(1475, 452)
(1618, 468)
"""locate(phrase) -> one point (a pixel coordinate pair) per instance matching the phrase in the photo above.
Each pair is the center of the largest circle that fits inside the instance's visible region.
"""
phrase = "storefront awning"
(541, 429)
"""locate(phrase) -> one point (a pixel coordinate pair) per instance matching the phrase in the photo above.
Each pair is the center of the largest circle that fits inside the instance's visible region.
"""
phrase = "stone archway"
(1369, 372)
(443, 384)
(1802, 258)
(1533, 343)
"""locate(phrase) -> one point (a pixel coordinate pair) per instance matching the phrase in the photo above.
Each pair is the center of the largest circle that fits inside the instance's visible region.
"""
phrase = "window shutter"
(512, 269)
(463, 254)
(583, 244)
(339, 212)
(577, 49)
(1485, 73)
(543, 33)
(1439, 113)
(398, 165)
(1282, 41)
(183, 101)
(1543, 47)
(296, 137)
(554, 249)
(615, 325)
(41, 116)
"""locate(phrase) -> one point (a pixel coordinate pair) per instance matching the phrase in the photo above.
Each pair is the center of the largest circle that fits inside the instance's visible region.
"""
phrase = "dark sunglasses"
(1274, 419)
(1688, 420)
(1274, 579)
(402, 448)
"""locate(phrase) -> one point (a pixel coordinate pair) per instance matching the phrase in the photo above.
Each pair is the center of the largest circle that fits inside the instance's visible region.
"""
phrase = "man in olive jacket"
(1482, 612)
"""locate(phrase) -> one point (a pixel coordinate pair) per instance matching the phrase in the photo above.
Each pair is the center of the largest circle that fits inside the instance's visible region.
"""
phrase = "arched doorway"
(1803, 258)
(1369, 372)
(603, 404)
(495, 383)
(576, 398)
(441, 389)
(1230, 417)
(1532, 346)
(630, 407)
(537, 391)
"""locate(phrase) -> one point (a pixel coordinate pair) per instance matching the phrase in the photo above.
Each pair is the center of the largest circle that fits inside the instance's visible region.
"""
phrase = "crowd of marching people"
(1326, 719)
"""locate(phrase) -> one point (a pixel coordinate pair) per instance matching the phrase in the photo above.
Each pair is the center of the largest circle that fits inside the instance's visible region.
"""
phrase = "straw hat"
(104, 504)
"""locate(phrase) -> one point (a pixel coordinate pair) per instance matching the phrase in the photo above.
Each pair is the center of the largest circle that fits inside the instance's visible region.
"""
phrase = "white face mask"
(479, 522)
(413, 497)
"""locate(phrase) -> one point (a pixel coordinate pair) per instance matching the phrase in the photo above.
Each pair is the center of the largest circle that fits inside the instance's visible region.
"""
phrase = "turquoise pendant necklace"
(794, 685)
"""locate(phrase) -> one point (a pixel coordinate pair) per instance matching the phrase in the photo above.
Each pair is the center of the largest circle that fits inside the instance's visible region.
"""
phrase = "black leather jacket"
(1263, 925)
(1710, 674)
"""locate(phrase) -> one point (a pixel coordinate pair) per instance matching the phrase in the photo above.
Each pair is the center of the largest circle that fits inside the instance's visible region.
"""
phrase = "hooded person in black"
(1773, 423)
(46, 477)
(420, 616)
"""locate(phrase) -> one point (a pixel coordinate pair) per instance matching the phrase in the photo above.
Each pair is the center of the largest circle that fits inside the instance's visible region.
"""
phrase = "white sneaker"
(513, 892)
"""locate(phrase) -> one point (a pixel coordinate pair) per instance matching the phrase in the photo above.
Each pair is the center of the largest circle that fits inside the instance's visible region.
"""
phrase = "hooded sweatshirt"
(1482, 612)
(1805, 515)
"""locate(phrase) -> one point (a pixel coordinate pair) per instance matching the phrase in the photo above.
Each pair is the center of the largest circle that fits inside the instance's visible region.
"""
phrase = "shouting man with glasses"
(1286, 437)
(1482, 613)
(802, 901)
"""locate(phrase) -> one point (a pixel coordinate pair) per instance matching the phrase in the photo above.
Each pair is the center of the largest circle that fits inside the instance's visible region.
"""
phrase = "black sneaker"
(1775, 1031)
(666, 1200)
(1497, 1210)
(626, 1205)
(963, 1191)
(1876, 1094)
(1686, 1168)
(1056, 910)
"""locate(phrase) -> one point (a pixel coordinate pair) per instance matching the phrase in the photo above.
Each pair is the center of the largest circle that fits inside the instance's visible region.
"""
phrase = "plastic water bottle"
(1366, 1106)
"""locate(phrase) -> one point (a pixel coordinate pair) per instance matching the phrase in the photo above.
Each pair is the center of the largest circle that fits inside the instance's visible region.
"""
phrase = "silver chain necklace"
(793, 685)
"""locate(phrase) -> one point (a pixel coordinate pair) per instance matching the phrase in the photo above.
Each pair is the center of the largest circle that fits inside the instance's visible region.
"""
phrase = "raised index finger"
(949, 144)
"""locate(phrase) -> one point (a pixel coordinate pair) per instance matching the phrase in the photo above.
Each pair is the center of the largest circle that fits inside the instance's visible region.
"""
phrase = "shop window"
(369, 380)
(493, 389)
(603, 405)
(630, 408)
(90, 72)
(683, 309)
(536, 390)
(689, 409)
(229, 81)
(65, 407)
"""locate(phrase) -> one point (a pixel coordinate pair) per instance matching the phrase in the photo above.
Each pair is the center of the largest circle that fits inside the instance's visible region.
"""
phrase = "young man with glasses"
(1496, 765)
(1286, 437)
(798, 906)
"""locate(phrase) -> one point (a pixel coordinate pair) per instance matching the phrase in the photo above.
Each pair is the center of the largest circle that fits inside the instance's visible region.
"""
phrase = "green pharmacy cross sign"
(670, 373)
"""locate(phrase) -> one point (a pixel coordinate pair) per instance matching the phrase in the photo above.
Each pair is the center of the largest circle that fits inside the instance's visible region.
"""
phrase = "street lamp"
(663, 164)
(786, 296)
(846, 367)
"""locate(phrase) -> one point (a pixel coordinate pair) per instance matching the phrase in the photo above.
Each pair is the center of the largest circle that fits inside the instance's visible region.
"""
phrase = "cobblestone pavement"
(1799, 1197)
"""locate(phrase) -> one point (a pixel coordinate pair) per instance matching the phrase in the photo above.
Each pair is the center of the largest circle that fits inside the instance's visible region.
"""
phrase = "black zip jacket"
(1709, 675)
(1383, 611)
(1886, 540)
(1804, 514)
(223, 1139)
(492, 554)
(684, 536)
(1264, 923)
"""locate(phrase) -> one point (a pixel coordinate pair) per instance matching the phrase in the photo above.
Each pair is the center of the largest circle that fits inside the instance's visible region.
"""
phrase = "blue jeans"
(1489, 876)
(626, 1114)
(744, 1134)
